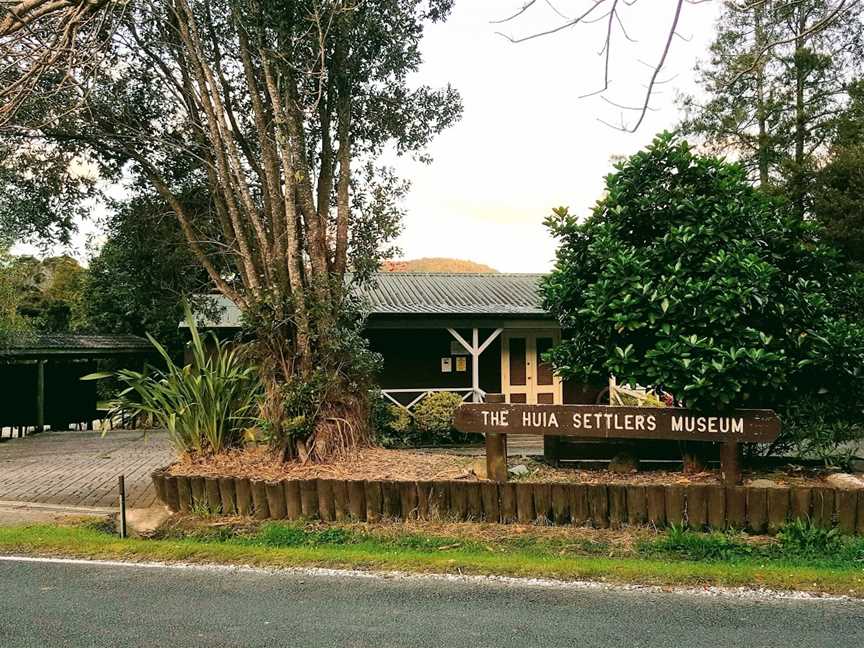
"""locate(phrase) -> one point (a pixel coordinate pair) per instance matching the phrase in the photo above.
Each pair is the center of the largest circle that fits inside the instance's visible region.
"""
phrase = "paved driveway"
(81, 468)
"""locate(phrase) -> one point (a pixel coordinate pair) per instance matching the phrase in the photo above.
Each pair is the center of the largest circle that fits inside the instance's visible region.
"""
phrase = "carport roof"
(82, 346)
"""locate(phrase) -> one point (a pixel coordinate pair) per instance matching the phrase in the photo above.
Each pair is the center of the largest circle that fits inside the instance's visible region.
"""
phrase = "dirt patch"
(418, 465)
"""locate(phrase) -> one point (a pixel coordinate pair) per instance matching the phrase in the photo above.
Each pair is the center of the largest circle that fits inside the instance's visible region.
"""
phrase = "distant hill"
(435, 264)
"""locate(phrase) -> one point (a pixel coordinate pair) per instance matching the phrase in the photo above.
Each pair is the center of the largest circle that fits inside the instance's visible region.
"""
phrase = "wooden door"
(525, 378)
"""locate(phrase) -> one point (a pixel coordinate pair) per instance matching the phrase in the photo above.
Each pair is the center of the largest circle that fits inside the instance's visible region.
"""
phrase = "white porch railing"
(478, 396)
(474, 393)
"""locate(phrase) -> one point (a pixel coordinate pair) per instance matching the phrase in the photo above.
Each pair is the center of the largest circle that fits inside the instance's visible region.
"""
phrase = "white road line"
(506, 581)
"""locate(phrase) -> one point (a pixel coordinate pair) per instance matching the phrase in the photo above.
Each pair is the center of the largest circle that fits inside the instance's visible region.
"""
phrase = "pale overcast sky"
(526, 142)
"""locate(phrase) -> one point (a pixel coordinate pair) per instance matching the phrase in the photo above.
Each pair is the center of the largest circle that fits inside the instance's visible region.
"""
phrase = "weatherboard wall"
(412, 359)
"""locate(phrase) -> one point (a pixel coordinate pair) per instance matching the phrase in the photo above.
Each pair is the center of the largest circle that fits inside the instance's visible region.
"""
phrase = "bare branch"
(612, 15)
(570, 23)
(41, 38)
(521, 11)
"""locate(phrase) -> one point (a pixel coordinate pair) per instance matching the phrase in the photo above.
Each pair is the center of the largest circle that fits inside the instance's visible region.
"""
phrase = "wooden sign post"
(496, 420)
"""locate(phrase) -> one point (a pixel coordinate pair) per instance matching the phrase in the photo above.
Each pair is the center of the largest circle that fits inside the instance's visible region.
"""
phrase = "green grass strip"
(366, 552)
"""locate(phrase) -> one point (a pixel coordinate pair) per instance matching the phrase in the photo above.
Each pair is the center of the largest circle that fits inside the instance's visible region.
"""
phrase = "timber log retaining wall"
(758, 510)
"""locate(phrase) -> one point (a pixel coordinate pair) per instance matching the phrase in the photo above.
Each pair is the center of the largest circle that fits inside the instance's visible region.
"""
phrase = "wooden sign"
(604, 421)
(497, 420)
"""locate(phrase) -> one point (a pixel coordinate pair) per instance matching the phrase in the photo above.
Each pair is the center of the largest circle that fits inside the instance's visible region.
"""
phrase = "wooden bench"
(497, 419)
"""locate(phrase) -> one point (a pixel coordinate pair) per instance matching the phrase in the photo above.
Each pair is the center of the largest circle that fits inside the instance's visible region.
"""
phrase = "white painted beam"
(489, 340)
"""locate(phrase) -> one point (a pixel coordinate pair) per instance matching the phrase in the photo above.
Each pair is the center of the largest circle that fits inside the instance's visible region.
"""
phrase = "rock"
(479, 468)
(763, 483)
(519, 471)
(624, 463)
(844, 481)
(856, 465)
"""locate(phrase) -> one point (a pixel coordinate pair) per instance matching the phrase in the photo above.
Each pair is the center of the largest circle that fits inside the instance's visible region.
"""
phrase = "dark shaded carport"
(40, 377)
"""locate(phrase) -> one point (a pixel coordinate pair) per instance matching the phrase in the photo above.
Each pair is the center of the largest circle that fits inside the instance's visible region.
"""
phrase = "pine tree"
(838, 194)
(777, 77)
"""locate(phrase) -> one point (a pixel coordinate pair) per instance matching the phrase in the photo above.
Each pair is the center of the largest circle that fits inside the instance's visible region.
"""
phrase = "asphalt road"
(49, 605)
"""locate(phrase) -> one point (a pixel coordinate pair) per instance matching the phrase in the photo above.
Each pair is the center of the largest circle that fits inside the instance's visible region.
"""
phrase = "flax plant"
(206, 406)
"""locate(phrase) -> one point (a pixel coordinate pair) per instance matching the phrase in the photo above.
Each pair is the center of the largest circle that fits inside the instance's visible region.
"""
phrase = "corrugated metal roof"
(432, 293)
(425, 293)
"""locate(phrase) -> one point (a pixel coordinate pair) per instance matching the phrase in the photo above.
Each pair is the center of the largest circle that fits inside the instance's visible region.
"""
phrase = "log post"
(326, 501)
(730, 463)
(496, 448)
(228, 495)
(340, 500)
(275, 494)
(184, 494)
(214, 497)
(40, 395)
(243, 493)
(293, 504)
(261, 511)
(172, 498)
(357, 500)
(552, 450)
(496, 457)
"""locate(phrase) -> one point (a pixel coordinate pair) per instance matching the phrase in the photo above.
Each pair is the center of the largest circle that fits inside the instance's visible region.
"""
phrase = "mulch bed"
(367, 463)
(417, 465)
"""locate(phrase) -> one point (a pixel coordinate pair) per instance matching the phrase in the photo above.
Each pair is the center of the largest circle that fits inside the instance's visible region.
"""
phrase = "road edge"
(745, 593)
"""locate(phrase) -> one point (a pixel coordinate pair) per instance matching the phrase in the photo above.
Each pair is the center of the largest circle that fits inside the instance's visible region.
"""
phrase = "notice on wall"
(461, 363)
(604, 421)
(456, 348)
(446, 365)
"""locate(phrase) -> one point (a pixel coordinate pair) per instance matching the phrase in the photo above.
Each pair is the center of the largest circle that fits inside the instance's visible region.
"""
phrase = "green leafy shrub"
(430, 422)
(205, 406)
(434, 414)
(399, 419)
(13, 326)
(687, 278)
(812, 428)
(392, 424)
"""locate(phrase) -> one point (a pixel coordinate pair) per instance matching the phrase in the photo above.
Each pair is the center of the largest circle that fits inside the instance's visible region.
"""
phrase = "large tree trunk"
(798, 172)
(763, 144)
(292, 273)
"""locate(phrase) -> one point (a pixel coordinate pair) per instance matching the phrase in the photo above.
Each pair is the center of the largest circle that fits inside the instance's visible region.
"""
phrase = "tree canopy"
(838, 192)
(49, 293)
(143, 273)
(277, 114)
(13, 326)
(687, 278)
(777, 76)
